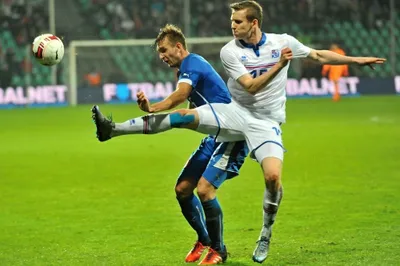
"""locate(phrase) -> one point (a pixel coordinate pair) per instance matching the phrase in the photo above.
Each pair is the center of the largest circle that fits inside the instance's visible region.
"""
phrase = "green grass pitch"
(67, 199)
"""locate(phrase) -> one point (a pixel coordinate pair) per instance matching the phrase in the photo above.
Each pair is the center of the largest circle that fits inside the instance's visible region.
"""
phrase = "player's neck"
(184, 54)
(254, 38)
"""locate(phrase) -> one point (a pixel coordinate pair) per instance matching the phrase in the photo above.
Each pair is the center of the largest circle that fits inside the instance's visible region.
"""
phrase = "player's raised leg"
(148, 124)
(212, 119)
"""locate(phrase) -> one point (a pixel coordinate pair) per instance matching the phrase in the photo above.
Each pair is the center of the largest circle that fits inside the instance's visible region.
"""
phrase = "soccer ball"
(48, 49)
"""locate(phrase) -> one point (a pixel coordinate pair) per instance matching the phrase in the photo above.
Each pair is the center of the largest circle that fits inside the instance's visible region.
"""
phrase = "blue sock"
(214, 216)
(192, 210)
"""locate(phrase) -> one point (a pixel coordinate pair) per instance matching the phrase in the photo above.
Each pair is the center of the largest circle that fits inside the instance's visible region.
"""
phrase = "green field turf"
(67, 199)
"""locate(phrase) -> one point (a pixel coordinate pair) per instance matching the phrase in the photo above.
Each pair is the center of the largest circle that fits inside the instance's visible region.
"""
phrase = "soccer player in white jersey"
(245, 59)
(257, 64)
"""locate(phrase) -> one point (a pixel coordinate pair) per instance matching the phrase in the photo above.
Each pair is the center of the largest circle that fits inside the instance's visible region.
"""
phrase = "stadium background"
(66, 199)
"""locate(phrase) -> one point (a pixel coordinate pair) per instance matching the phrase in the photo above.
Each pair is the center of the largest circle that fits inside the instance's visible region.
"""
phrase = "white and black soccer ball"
(48, 49)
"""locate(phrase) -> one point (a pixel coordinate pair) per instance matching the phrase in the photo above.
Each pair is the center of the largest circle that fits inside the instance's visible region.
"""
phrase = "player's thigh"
(222, 120)
(265, 141)
(225, 162)
(195, 166)
(214, 177)
(211, 181)
(264, 138)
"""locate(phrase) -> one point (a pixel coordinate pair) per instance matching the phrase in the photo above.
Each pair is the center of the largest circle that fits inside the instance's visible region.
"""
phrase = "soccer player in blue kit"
(213, 162)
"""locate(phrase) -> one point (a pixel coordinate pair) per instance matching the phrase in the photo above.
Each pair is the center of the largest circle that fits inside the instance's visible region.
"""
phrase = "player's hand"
(286, 56)
(369, 61)
(143, 102)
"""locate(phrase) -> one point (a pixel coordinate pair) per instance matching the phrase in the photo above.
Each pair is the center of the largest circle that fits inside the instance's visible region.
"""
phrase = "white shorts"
(231, 122)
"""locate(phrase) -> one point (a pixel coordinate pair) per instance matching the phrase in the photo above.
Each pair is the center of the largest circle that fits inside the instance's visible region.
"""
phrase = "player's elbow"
(252, 91)
(250, 86)
(317, 56)
(320, 59)
(253, 88)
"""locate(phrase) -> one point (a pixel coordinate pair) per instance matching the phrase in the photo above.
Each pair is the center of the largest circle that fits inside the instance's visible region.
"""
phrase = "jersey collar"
(257, 46)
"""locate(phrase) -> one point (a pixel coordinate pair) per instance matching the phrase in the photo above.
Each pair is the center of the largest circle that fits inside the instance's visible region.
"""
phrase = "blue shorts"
(215, 161)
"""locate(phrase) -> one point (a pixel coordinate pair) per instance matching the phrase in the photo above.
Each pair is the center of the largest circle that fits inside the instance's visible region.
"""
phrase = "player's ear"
(254, 22)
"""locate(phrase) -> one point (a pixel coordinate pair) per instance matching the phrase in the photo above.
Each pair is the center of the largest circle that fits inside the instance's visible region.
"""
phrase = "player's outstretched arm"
(331, 58)
(179, 96)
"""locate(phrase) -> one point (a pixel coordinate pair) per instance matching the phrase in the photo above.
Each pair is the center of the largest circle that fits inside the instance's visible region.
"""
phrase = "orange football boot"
(196, 252)
(214, 257)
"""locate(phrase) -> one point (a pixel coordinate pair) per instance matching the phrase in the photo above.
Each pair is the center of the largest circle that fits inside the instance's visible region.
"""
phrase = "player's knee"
(180, 119)
(272, 168)
(183, 191)
(272, 180)
(272, 176)
(205, 190)
(205, 194)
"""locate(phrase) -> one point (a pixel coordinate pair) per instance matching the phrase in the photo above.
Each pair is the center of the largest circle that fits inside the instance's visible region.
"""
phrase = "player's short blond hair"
(173, 33)
(254, 10)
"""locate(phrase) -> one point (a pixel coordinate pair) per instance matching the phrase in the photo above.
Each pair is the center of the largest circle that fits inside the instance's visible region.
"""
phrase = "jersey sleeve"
(188, 73)
(299, 50)
(233, 67)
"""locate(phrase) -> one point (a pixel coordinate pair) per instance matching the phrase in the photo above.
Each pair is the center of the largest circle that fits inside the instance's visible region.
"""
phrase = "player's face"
(241, 27)
(169, 53)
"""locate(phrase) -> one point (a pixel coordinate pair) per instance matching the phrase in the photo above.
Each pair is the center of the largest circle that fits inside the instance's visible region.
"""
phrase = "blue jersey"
(207, 84)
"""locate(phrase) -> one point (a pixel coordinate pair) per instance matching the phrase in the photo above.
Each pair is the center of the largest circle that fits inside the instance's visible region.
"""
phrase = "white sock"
(270, 207)
(148, 124)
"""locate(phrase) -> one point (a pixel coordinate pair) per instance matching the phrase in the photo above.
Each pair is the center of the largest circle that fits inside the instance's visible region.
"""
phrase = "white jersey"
(240, 58)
